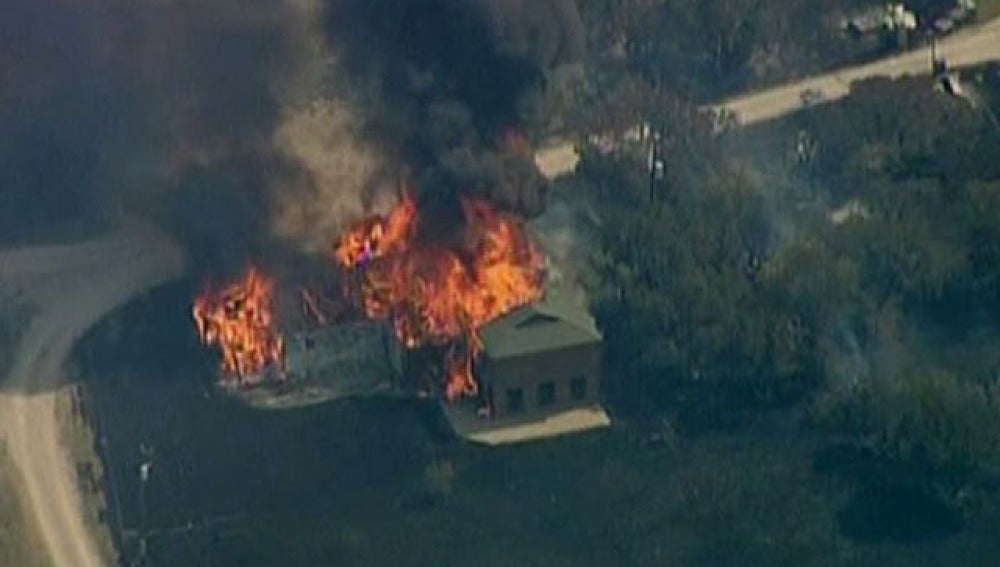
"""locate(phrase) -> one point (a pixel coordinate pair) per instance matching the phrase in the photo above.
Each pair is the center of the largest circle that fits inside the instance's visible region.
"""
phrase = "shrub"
(928, 428)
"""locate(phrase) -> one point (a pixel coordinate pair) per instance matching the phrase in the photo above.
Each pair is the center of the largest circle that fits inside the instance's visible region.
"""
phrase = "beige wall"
(528, 371)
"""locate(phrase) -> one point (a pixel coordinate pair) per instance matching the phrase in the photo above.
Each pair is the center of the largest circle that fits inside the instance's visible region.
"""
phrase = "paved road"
(969, 47)
(71, 288)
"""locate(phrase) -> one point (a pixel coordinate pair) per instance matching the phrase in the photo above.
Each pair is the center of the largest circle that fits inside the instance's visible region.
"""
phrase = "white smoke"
(567, 235)
(342, 179)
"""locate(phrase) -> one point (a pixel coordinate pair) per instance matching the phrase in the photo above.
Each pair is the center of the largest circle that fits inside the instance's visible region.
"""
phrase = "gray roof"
(355, 351)
(552, 323)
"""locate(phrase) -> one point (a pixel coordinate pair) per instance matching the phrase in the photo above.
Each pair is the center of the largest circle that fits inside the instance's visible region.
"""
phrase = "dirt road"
(970, 47)
(71, 288)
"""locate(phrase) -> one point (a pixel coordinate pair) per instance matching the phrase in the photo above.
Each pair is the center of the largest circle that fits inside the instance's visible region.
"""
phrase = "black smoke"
(167, 110)
(447, 81)
(161, 110)
(53, 97)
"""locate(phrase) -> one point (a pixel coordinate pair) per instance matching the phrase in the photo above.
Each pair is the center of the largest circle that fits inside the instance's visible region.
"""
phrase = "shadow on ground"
(887, 504)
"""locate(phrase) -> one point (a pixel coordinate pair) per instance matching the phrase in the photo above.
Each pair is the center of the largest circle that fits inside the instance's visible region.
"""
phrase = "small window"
(578, 387)
(515, 400)
(546, 394)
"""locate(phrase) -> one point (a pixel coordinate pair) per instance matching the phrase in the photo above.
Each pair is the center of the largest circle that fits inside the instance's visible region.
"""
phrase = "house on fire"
(360, 358)
(539, 372)
(539, 376)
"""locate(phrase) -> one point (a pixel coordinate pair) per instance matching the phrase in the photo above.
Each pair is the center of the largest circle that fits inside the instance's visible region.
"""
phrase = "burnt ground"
(377, 482)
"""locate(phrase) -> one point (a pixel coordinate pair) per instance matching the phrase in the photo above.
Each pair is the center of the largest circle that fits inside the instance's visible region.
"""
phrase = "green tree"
(931, 429)
(686, 302)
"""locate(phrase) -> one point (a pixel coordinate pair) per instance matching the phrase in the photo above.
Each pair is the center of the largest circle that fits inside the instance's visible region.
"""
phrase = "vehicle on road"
(811, 97)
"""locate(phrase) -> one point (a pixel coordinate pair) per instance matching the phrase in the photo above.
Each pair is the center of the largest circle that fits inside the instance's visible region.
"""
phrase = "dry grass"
(988, 9)
(79, 438)
(13, 319)
(19, 543)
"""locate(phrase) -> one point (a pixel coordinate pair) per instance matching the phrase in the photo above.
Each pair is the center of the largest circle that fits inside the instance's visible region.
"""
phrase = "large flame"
(237, 319)
(438, 294)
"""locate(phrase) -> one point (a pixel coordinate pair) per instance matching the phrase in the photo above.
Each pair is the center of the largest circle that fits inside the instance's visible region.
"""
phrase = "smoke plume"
(254, 126)
(445, 82)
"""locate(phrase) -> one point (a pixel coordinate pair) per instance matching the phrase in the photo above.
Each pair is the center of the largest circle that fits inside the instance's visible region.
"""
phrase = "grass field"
(376, 482)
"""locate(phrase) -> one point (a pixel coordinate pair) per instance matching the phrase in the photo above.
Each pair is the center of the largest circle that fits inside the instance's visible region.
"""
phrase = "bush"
(439, 476)
(928, 429)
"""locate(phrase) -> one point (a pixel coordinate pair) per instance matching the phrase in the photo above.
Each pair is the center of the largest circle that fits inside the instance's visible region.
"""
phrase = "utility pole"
(654, 156)
(656, 164)
(938, 65)
(933, 53)
(145, 469)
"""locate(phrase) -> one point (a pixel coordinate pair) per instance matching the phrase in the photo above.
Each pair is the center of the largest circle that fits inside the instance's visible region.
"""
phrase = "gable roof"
(552, 323)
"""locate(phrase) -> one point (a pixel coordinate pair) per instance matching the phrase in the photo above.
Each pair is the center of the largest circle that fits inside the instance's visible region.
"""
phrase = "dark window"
(578, 388)
(515, 400)
(546, 394)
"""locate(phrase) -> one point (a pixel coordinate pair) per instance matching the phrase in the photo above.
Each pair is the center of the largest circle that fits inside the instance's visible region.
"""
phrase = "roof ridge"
(548, 310)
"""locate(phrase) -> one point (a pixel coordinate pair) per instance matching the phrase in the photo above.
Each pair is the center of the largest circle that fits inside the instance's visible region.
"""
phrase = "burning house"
(238, 320)
(359, 358)
(439, 293)
(433, 272)
(298, 360)
(516, 362)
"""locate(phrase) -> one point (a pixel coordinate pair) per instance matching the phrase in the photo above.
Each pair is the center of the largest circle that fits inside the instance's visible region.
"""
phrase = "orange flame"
(238, 321)
(440, 295)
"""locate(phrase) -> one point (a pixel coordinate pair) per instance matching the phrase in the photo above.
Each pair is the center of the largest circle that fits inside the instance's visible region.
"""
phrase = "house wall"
(526, 373)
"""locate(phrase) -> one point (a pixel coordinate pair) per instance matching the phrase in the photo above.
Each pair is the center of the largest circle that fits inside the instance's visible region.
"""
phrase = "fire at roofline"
(432, 91)
(431, 293)
(433, 88)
